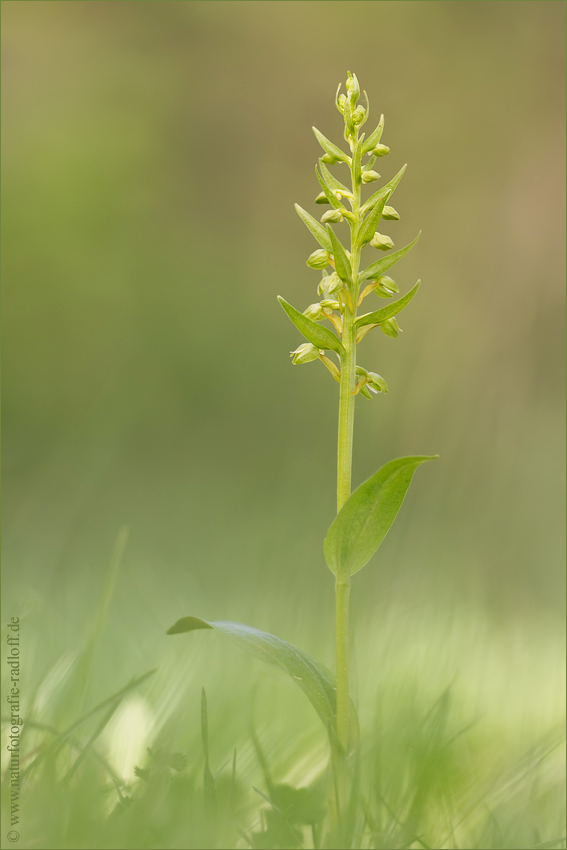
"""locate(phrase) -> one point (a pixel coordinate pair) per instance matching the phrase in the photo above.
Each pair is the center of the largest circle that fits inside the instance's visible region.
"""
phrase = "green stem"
(344, 472)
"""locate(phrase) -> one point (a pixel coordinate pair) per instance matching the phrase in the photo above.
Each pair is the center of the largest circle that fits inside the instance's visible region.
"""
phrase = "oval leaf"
(382, 266)
(365, 518)
(317, 684)
(388, 311)
(314, 333)
(318, 231)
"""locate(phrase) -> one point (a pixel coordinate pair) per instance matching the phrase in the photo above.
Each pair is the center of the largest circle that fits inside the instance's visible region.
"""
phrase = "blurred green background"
(152, 153)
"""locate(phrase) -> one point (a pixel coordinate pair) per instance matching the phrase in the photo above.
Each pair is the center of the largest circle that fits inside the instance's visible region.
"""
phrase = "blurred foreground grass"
(461, 728)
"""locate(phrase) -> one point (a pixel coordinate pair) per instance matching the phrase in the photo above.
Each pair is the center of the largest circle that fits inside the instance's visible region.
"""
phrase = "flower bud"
(386, 285)
(381, 241)
(319, 259)
(391, 214)
(381, 150)
(370, 176)
(330, 284)
(359, 115)
(391, 328)
(330, 160)
(341, 101)
(314, 312)
(352, 87)
(321, 198)
(376, 382)
(304, 354)
(331, 215)
(329, 304)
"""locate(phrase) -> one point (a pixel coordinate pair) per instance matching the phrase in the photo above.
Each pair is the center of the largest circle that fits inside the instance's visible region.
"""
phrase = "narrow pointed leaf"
(331, 180)
(367, 515)
(319, 336)
(382, 266)
(342, 262)
(330, 148)
(374, 137)
(392, 309)
(318, 231)
(317, 684)
(332, 198)
(369, 226)
(377, 196)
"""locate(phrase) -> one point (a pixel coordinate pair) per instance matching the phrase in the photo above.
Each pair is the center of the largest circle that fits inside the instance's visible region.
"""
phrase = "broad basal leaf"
(364, 520)
(319, 336)
(318, 231)
(392, 309)
(382, 266)
(317, 684)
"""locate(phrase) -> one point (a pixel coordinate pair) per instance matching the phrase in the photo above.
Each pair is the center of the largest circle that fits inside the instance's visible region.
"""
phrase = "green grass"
(461, 733)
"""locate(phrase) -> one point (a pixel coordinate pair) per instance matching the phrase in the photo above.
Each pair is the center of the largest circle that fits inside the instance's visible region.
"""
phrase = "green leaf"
(377, 196)
(342, 262)
(369, 226)
(332, 181)
(317, 684)
(314, 333)
(392, 309)
(381, 266)
(366, 517)
(374, 137)
(330, 148)
(318, 231)
(331, 197)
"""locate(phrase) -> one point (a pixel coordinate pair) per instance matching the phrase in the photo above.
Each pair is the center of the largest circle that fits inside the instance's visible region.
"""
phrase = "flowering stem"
(344, 466)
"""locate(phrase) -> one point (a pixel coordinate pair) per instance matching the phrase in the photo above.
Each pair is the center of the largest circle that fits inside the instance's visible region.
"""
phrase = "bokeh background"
(152, 153)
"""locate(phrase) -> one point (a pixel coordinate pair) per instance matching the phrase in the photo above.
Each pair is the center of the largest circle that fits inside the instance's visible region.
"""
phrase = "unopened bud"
(370, 176)
(359, 115)
(391, 328)
(330, 284)
(329, 304)
(304, 354)
(321, 198)
(390, 213)
(331, 215)
(381, 241)
(341, 101)
(330, 160)
(352, 87)
(381, 150)
(314, 312)
(319, 259)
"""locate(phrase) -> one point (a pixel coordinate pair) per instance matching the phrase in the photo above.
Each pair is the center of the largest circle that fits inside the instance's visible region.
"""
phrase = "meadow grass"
(461, 734)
